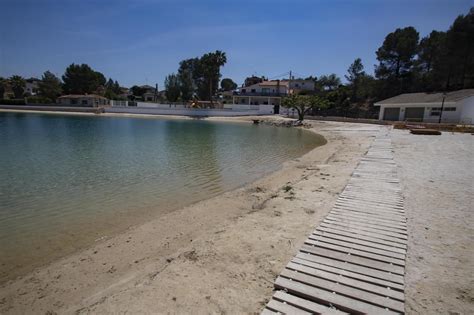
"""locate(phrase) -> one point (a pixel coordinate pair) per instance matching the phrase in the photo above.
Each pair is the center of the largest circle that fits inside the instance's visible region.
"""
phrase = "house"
(86, 100)
(450, 107)
(31, 86)
(270, 92)
(151, 93)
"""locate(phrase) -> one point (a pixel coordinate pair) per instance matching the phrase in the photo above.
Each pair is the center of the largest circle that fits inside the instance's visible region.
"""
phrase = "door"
(414, 113)
(391, 113)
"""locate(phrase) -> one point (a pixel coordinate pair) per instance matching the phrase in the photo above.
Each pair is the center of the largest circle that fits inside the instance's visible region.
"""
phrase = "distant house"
(458, 107)
(151, 93)
(87, 100)
(270, 92)
(31, 86)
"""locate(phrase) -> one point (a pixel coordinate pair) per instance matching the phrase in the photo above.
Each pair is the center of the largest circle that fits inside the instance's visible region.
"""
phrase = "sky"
(141, 41)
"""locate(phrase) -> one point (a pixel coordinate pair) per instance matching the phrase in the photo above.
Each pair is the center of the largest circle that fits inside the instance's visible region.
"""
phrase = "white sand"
(437, 176)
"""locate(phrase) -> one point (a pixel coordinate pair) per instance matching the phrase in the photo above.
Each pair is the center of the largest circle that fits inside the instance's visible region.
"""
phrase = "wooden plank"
(319, 295)
(379, 290)
(394, 202)
(346, 273)
(363, 232)
(367, 225)
(364, 248)
(266, 311)
(358, 260)
(362, 237)
(305, 304)
(368, 244)
(373, 205)
(336, 216)
(369, 217)
(384, 275)
(354, 251)
(368, 214)
(284, 308)
(338, 288)
(389, 205)
(365, 228)
(370, 211)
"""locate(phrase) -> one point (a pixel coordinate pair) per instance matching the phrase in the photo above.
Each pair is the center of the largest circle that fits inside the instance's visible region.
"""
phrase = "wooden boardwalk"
(354, 262)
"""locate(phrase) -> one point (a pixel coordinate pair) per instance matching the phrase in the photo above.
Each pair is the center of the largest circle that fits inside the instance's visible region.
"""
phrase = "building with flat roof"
(451, 107)
(86, 100)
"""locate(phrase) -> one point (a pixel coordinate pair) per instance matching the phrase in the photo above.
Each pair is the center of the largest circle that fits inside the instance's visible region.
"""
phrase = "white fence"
(185, 110)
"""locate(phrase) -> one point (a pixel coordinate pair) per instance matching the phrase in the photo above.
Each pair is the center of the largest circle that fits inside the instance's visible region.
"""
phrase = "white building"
(458, 107)
(85, 100)
(270, 92)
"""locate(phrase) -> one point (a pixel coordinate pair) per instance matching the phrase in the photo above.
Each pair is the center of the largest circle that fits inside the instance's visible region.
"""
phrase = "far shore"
(221, 255)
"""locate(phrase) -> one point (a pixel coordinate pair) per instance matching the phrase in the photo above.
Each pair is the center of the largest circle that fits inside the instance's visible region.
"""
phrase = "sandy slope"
(219, 255)
(437, 176)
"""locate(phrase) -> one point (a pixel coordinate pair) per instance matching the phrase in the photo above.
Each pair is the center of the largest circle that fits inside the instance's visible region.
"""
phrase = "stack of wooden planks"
(354, 262)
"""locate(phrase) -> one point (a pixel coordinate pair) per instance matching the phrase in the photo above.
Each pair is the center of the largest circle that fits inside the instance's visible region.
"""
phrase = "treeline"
(441, 61)
(77, 79)
(196, 78)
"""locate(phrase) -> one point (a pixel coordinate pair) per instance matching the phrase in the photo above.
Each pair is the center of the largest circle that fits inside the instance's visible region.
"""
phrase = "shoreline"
(106, 235)
(113, 263)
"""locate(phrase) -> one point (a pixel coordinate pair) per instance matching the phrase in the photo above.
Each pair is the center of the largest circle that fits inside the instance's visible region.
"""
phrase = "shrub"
(39, 100)
(12, 101)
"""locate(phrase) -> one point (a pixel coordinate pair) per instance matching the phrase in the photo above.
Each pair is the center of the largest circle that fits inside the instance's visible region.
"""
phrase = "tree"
(18, 85)
(431, 60)
(396, 58)
(3, 84)
(228, 85)
(138, 91)
(50, 86)
(253, 80)
(460, 52)
(188, 77)
(304, 103)
(354, 74)
(82, 79)
(172, 87)
(329, 82)
(210, 64)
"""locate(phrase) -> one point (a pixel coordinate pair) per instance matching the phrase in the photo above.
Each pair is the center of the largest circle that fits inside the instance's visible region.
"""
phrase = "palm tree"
(18, 85)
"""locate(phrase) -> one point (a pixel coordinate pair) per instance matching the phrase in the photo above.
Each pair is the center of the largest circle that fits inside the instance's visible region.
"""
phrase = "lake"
(68, 180)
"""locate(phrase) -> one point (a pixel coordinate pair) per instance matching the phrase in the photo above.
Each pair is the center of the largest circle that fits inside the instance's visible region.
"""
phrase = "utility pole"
(442, 107)
(289, 84)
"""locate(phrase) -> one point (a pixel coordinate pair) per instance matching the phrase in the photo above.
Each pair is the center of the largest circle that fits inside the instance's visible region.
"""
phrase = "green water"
(66, 180)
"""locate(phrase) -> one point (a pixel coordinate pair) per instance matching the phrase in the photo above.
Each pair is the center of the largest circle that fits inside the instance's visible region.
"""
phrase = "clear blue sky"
(141, 41)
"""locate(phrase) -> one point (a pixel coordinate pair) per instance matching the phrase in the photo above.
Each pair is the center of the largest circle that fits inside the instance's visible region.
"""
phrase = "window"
(73, 101)
(435, 113)
(244, 90)
(253, 90)
(84, 102)
(449, 109)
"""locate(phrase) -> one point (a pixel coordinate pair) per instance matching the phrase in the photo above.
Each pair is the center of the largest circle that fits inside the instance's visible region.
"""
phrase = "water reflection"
(68, 180)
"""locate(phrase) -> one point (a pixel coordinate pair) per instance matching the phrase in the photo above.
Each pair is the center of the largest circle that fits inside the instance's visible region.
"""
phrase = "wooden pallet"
(354, 261)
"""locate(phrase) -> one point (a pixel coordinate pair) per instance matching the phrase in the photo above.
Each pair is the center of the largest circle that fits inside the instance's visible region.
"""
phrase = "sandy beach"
(221, 255)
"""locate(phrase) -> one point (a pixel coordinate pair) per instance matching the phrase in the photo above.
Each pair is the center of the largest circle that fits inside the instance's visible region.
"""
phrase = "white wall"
(447, 116)
(181, 112)
(467, 111)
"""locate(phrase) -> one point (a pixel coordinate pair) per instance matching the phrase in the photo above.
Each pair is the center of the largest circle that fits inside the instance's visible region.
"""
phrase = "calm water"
(66, 181)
